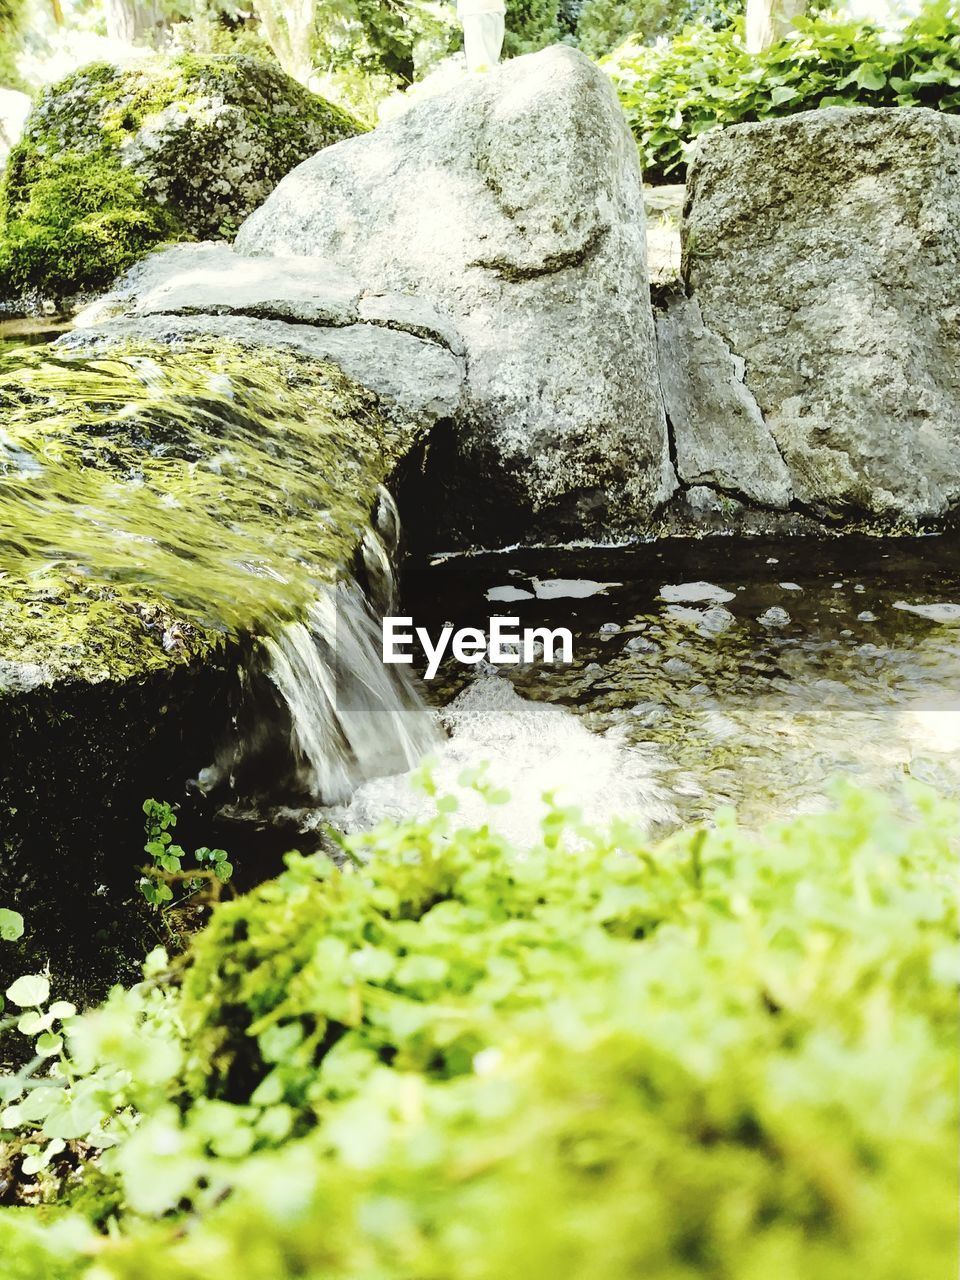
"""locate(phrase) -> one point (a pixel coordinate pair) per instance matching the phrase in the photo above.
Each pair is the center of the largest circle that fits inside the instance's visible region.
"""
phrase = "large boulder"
(822, 252)
(513, 203)
(114, 160)
(395, 345)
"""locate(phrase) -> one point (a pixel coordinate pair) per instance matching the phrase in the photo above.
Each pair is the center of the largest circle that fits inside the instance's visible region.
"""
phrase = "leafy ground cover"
(731, 1055)
(675, 91)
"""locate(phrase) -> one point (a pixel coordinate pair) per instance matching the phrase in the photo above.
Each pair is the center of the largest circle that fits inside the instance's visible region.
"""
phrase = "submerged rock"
(824, 251)
(115, 160)
(514, 204)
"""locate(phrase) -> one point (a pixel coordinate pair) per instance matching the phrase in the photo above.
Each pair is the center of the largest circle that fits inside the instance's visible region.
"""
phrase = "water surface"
(746, 673)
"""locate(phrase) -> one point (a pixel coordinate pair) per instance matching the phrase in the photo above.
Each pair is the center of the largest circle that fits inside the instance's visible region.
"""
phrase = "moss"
(82, 222)
(155, 500)
(115, 161)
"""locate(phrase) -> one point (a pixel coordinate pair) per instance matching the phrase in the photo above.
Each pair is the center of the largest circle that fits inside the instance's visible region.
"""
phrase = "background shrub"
(675, 91)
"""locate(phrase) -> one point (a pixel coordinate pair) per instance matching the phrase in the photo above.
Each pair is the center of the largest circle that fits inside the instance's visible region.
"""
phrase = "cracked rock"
(514, 205)
(719, 435)
(824, 250)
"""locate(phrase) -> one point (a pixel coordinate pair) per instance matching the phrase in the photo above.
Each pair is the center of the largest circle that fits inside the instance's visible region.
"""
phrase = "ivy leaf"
(869, 76)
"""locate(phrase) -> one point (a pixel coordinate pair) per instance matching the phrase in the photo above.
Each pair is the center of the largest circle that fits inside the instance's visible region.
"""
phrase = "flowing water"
(166, 511)
(705, 675)
(351, 718)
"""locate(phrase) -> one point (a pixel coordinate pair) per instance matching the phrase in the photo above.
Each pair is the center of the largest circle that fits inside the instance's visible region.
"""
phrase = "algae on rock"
(181, 485)
(115, 160)
(159, 508)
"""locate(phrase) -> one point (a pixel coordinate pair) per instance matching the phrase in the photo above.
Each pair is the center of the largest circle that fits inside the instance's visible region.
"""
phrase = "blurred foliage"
(604, 24)
(531, 25)
(13, 21)
(731, 1055)
(676, 91)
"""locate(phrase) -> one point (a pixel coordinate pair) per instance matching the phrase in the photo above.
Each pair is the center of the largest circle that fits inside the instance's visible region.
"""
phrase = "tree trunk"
(770, 20)
(130, 21)
(290, 27)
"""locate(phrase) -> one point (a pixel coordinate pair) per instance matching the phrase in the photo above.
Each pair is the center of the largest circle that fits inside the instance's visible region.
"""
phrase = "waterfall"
(317, 711)
(351, 717)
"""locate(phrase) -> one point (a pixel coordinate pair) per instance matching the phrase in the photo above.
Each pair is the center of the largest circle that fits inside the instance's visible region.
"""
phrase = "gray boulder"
(394, 345)
(824, 251)
(720, 437)
(514, 204)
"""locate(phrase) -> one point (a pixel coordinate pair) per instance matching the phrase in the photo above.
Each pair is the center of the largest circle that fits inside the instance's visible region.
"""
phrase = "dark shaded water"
(801, 661)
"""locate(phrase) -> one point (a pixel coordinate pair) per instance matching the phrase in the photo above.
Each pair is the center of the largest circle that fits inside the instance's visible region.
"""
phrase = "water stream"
(705, 675)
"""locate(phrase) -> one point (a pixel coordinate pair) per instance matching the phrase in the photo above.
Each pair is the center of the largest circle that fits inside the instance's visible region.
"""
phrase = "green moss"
(115, 161)
(81, 223)
(156, 500)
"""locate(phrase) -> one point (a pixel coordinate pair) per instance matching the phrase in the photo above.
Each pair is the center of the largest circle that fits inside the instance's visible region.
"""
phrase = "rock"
(663, 206)
(397, 346)
(513, 204)
(209, 278)
(695, 593)
(394, 344)
(114, 160)
(719, 435)
(163, 504)
(774, 617)
(417, 382)
(824, 250)
(943, 612)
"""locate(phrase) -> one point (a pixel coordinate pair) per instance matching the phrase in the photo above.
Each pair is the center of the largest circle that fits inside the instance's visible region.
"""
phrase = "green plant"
(604, 24)
(166, 868)
(531, 25)
(728, 1055)
(674, 92)
(11, 926)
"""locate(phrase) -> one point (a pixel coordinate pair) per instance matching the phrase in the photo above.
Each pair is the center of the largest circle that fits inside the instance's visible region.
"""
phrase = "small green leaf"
(29, 991)
(11, 925)
(49, 1044)
(32, 1023)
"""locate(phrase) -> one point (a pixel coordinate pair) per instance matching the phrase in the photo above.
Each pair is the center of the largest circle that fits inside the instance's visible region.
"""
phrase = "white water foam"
(530, 748)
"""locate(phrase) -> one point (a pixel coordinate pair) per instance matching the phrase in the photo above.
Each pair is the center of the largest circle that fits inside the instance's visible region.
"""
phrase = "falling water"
(351, 717)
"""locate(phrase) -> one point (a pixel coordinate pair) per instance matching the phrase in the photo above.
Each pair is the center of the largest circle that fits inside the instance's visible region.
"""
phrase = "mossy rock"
(160, 508)
(116, 160)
